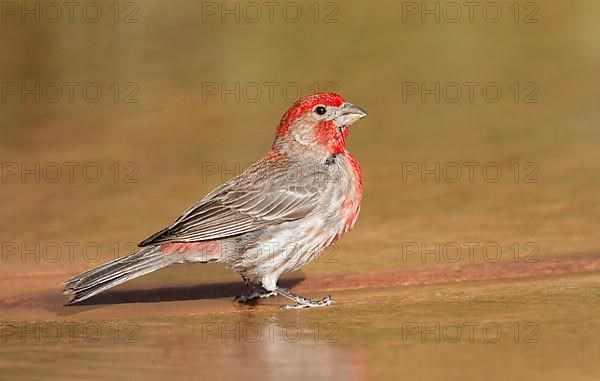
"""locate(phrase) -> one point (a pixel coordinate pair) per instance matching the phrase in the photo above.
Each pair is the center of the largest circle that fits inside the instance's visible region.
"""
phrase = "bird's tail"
(101, 278)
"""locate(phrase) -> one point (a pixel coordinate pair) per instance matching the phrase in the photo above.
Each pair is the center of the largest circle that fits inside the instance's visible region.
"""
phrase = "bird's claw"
(307, 303)
(250, 296)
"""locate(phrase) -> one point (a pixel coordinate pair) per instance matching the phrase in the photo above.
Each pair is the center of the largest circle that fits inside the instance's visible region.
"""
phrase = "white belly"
(290, 245)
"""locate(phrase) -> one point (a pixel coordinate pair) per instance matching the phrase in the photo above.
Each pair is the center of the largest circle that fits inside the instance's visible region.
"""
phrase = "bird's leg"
(255, 291)
(302, 302)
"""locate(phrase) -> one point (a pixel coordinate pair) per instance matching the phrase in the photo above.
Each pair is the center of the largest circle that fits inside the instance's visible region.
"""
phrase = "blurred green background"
(165, 116)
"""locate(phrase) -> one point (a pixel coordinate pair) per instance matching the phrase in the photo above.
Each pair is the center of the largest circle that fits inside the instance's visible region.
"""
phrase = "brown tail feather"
(111, 274)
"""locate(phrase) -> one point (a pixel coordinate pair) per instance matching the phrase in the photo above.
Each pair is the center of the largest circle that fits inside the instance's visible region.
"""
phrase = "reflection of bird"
(266, 348)
(274, 217)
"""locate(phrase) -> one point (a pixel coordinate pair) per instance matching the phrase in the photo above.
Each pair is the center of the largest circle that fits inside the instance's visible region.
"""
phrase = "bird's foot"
(302, 302)
(254, 295)
(326, 301)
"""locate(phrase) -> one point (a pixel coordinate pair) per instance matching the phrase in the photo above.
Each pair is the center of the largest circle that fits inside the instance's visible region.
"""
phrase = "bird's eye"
(320, 110)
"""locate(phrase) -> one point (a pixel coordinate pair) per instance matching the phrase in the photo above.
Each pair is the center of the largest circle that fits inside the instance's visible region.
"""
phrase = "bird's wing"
(246, 203)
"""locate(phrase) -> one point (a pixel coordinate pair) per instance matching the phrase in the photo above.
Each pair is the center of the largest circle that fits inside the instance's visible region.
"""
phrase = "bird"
(274, 217)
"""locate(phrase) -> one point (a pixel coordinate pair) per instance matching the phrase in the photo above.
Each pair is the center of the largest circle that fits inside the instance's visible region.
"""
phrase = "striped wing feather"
(244, 204)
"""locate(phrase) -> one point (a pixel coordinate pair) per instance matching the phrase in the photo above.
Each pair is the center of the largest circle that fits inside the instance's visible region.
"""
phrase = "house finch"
(274, 217)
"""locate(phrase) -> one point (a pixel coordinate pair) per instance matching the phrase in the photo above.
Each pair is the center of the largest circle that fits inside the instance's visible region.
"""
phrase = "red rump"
(203, 247)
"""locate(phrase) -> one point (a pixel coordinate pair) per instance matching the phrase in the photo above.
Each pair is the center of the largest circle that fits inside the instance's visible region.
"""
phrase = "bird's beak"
(348, 114)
